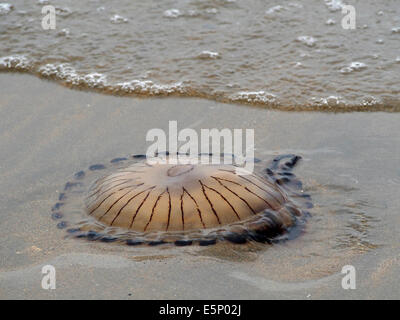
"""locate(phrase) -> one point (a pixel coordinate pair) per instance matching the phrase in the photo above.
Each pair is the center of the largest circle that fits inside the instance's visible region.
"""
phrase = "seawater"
(290, 55)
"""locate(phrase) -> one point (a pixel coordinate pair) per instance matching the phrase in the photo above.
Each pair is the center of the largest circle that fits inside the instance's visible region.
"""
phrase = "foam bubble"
(330, 22)
(172, 13)
(396, 30)
(95, 80)
(295, 5)
(17, 62)
(370, 101)
(254, 97)
(334, 5)
(64, 32)
(354, 66)
(212, 10)
(149, 87)
(62, 72)
(68, 74)
(209, 55)
(64, 12)
(307, 40)
(275, 9)
(330, 101)
(117, 19)
(5, 8)
(193, 13)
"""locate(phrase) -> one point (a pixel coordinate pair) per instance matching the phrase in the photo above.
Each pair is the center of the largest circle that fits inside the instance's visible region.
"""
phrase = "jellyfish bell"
(170, 201)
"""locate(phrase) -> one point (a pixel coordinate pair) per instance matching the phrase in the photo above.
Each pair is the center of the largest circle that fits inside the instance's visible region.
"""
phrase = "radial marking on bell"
(138, 209)
(235, 195)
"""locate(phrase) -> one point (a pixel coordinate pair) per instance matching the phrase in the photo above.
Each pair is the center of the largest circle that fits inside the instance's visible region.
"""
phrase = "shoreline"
(325, 106)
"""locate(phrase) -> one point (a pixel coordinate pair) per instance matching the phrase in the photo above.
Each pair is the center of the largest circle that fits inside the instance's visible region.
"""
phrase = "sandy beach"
(49, 132)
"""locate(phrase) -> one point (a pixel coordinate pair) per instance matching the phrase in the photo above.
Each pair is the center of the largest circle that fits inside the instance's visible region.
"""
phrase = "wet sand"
(350, 167)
